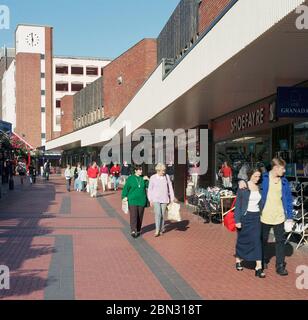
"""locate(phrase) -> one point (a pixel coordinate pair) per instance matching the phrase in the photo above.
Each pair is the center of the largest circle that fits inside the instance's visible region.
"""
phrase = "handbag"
(229, 220)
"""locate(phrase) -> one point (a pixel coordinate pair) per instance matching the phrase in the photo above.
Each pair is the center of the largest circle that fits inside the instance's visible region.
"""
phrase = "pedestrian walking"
(276, 208)
(247, 219)
(134, 192)
(115, 173)
(83, 176)
(68, 177)
(160, 194)
(21, 170)
(104, 173)
(125, 172)
(93, 174)
(76, 175)
(170, 170)
(47, 170)
(32, 173)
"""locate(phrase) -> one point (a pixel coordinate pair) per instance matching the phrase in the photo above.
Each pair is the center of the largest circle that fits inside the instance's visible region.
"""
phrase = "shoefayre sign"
(247, 120)
(292, 102)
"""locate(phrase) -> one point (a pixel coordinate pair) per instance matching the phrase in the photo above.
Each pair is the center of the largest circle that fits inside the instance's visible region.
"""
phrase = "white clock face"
(32, 39)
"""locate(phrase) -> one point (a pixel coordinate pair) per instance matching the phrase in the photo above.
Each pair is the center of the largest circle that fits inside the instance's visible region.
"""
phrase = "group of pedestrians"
(257, 212)
(88, 178)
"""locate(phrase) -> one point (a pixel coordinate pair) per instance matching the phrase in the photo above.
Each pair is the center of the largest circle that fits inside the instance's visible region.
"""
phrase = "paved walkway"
(61, 245)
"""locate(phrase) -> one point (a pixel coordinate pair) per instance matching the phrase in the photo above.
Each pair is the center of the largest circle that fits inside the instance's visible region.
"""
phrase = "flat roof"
(82, 58)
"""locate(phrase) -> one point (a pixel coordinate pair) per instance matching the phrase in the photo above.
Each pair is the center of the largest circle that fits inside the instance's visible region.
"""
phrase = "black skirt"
(249, 244)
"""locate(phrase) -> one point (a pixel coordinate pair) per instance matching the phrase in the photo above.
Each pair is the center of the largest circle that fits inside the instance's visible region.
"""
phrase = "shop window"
(77, 70)
(62, 86)
(301, 149)
(61, 69)
(92, 71)
(249, 151)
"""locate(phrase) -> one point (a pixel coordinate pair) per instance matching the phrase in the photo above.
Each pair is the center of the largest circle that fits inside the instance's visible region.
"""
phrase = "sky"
(93, 28)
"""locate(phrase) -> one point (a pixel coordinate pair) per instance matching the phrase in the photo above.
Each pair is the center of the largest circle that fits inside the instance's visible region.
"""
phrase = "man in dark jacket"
(125, 172)
(276, 207)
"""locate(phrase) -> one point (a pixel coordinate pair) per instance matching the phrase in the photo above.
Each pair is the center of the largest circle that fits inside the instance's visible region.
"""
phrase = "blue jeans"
(159, 210)
(116, 181)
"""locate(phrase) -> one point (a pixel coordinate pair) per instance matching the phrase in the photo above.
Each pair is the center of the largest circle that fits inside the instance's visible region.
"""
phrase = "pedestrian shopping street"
(61, 245)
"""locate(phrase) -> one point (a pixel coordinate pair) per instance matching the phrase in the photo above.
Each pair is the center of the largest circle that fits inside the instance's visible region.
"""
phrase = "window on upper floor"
(76, 86)
(62, 86)
(58, 103)
(77, 70)
(61, 69)
(92, 71)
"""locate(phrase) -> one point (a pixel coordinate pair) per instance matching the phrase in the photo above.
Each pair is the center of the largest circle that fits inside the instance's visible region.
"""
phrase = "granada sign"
(247, 120)
(292, 102)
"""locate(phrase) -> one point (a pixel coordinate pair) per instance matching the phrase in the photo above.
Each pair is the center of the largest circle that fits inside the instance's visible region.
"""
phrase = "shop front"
(253, 135)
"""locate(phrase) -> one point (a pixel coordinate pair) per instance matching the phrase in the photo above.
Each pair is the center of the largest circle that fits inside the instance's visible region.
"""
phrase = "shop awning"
(15, 138)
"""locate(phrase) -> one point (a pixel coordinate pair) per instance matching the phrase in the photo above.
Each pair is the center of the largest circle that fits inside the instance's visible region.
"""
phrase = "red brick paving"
(106, 265)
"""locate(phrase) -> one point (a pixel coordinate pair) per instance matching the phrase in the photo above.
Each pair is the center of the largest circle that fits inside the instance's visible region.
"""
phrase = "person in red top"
(226, 173)
(115, 172)
(104, 172)
(93, 174)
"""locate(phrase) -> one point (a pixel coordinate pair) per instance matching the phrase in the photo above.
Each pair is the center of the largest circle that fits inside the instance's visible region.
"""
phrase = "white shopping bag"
(125, 206)
(173, 212)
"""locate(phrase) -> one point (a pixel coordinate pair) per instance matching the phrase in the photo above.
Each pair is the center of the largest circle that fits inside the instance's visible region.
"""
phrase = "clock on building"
(32, 39)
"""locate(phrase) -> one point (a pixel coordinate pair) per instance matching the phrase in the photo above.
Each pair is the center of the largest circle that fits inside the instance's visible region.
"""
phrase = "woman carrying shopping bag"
(160, 194)
(134, 192)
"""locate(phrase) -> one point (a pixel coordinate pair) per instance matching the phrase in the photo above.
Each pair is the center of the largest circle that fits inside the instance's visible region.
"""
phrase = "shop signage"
(247, 120)
(292, 102)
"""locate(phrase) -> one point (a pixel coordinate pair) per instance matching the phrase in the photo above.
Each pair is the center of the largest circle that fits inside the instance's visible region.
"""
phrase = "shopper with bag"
(134, 192)
(247, 219)
(160, 194)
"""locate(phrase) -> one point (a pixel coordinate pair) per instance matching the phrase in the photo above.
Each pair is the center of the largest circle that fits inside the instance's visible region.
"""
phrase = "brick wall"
(48, 77)
(134, 66)
(67, 108)
(208, 11)
(28, 97)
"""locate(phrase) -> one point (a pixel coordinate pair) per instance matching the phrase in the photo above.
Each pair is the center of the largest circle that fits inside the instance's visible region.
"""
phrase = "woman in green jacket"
(134, 192)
